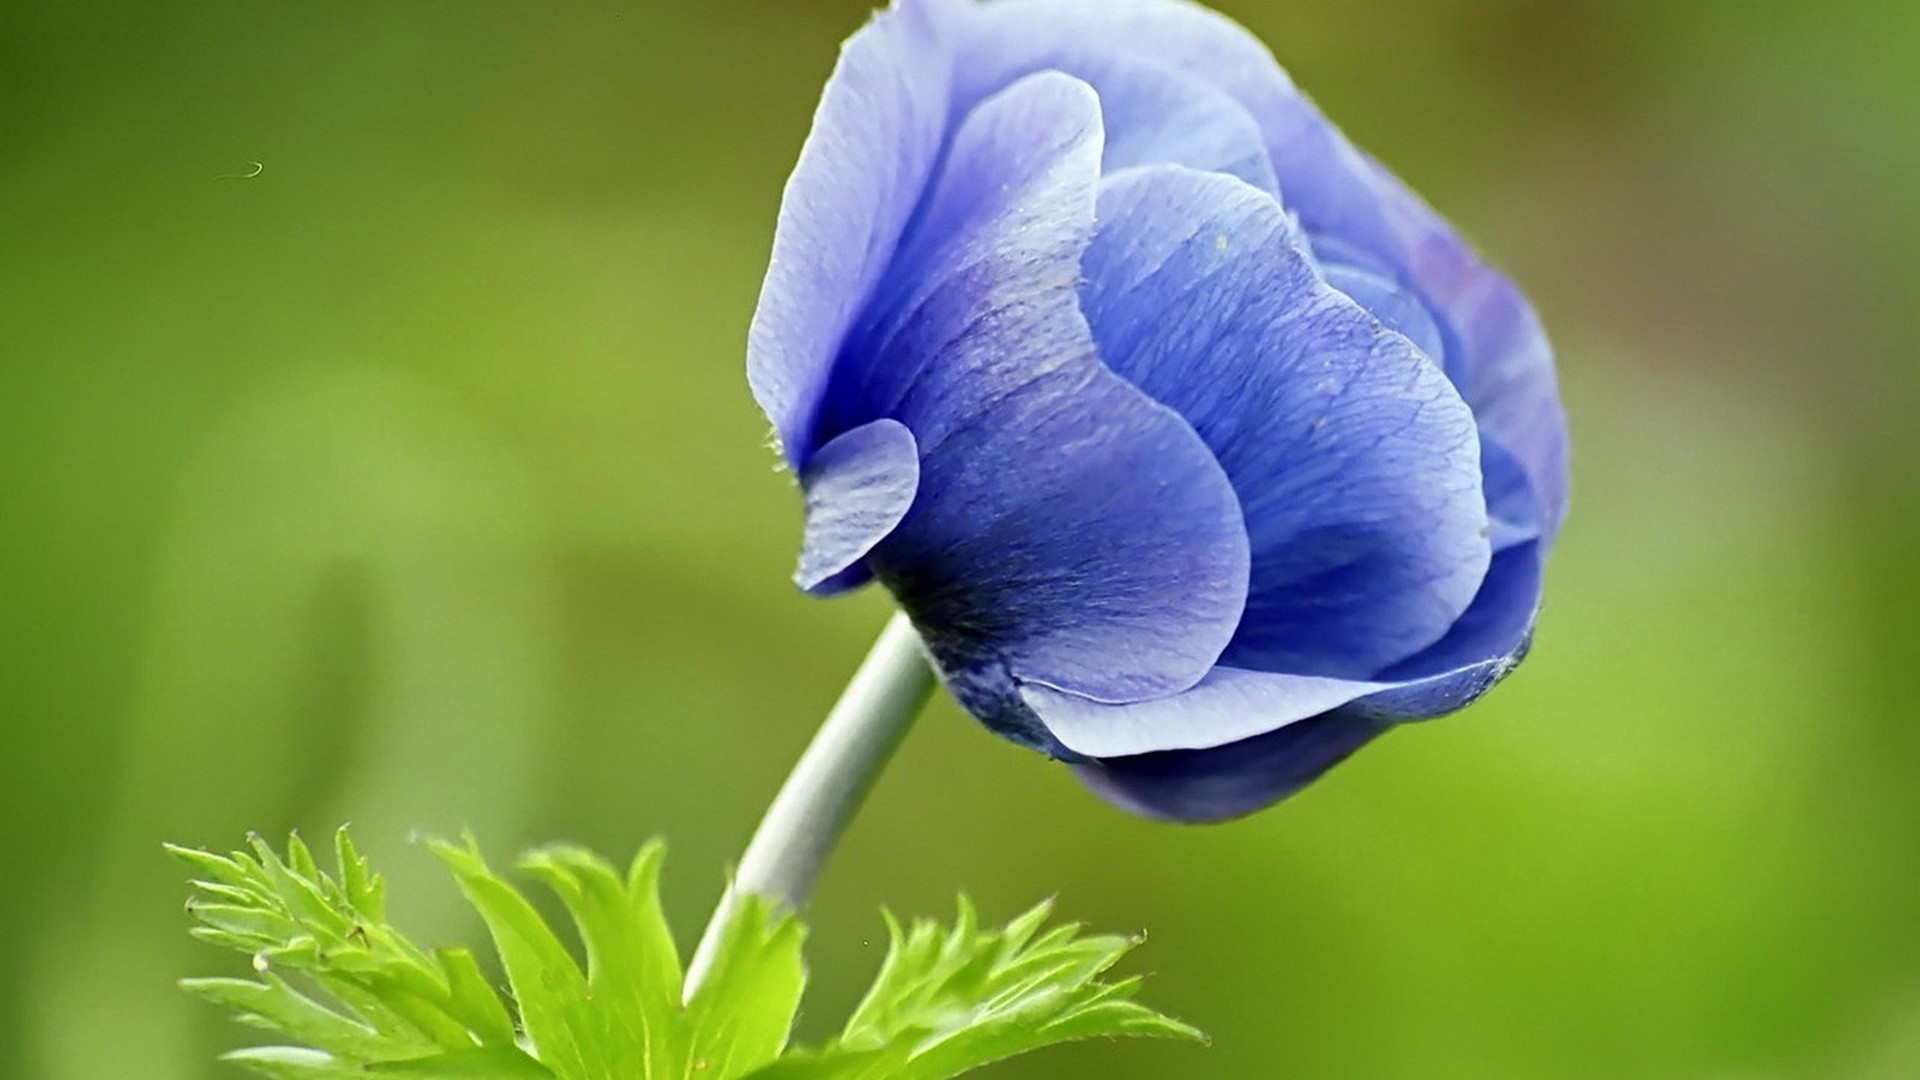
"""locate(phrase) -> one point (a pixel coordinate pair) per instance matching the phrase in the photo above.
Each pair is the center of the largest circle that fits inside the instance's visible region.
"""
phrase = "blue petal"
(1232, 705)
(1010, 37)
(1396, 308)
(874, 144)
(1356, 462)
(1070, 531)
(1237, 778)
(1485, 646)
(1155, 114)
(1229, 705)
(859, 488)
(1013, 36)
(1512, 505)
(1230, 781)
(1496, 351)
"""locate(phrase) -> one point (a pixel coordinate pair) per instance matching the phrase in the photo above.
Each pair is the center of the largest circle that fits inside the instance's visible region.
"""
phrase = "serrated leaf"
(385, 1000)
(472, 999)
(366, 892)
(297, 1063)
(555, 1010)
(214, 936)
(385, 1014)
(294, 1063)
(965, 997)
(299, 897)
(245, 922)
(633, 967)
(836, 1064)
(415, 997)
(1114, 1019)
(275, 1005)
(482, 1063)
(214, 867)
(743, 1014)
(946, 1000)
(300, 860)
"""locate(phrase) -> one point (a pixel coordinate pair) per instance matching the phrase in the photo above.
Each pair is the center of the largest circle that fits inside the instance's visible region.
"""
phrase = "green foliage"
(359, 1000)
(950, 1000)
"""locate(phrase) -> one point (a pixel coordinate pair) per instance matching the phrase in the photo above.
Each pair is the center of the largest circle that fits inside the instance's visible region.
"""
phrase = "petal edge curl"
(859, 488)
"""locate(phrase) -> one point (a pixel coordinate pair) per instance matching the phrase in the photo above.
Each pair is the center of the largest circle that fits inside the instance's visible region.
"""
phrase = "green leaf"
(633, 968)
(555, 1008)
(837, 1063)
(484, 1063)
(301, 898)
(957, 999)
(216, 868)
(276, 1006)
(379, 998)
(246, 922)
(743, 1013)
(366, 893)
(365, 1002)
(294, 1063)
(472, 1000)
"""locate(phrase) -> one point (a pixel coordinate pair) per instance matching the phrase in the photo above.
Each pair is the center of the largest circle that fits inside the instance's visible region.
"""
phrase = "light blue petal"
(1356, 462)
(1229, 705)
(1200, 786)
(1155, 114)
(1014, 35)
(1512, 504)
(1398, 309)
(859, 488)
(1010, 37)
(1070, 531)
(1497, 351)
(872, 150)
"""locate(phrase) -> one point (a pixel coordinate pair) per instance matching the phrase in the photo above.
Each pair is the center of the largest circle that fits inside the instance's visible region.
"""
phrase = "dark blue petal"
(1070, 531)
(1484, 647)
(1234, 780)
(859, 488)
(874, 143)
(1356, 462)
(1233, 706)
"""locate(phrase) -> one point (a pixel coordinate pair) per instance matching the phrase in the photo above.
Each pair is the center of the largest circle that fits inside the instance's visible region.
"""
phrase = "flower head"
(1199, 450)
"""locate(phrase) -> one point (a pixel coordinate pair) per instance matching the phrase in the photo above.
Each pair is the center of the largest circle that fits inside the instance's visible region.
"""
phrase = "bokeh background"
(413, 481)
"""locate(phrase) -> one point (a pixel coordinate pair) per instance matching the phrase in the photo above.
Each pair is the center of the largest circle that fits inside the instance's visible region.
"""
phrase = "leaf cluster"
(356, 999)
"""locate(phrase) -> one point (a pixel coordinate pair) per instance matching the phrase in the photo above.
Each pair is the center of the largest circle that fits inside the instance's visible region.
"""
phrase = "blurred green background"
(413, 481)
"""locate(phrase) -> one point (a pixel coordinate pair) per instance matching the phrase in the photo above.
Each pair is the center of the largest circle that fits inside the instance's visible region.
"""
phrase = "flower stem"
(784, 858)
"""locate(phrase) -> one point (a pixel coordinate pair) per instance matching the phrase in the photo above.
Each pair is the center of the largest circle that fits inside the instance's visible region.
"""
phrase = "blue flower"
(1199, 450)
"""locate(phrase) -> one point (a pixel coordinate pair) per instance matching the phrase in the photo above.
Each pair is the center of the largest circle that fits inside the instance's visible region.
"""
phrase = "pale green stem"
(784, 858)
